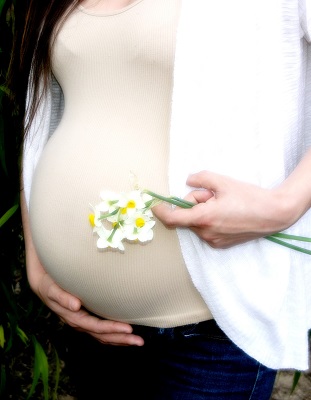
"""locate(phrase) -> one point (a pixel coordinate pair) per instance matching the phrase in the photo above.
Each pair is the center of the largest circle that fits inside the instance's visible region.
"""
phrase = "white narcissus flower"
(95, 217)
(131, 202)
(127, 214)
(139, 227)
(98, 216)
(109, 201)
(110, 238)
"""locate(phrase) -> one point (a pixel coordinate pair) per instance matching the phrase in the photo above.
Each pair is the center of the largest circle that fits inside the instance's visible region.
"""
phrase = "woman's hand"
(69, 310)
(228, 211)
(67, 306)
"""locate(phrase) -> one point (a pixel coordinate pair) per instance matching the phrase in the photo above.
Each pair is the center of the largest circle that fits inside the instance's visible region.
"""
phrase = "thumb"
(205, 179)
(64, 299)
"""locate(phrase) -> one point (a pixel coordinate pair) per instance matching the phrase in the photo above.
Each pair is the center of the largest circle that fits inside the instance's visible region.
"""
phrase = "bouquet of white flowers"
(128, 216)
(124, 216)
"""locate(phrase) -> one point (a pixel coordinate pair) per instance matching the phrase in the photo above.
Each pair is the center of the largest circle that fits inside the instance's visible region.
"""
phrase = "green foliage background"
(29, 363)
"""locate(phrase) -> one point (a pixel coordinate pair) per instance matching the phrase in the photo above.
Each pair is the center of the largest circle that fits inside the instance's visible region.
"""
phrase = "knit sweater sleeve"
(305, 18)
(42, 126)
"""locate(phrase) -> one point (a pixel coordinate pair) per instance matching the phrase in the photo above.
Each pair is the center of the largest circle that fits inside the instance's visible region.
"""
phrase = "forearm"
(238, 211)
(295, 191)
(34, 268)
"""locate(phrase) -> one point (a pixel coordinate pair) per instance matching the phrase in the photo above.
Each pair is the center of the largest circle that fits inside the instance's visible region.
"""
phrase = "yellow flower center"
(123, 210)
(92, 219)
(131, 204)
(140, 222)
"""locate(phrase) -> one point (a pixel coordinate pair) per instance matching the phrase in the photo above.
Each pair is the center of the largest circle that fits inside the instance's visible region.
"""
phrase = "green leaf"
(40, 370)
(2, 2)
(9, 341)
(22, 335)
(297, 376)
(3, 88)
(12, 330)
(2, 338)
(6, 216)
(2, 135)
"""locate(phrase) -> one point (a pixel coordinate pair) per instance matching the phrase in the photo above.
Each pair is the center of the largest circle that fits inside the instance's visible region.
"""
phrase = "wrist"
(289, 205)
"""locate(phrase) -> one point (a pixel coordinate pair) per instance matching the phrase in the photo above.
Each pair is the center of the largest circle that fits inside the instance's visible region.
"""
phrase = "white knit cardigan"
(241, 106)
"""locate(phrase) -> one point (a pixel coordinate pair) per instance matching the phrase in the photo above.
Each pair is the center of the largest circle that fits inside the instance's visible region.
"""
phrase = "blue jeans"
(192, 362)
(199, 362)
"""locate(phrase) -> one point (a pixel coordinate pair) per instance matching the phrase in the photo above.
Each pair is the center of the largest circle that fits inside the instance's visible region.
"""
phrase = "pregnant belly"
(145, 284)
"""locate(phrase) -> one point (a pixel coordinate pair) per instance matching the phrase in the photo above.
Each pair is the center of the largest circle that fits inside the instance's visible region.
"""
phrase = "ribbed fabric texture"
(116, 73)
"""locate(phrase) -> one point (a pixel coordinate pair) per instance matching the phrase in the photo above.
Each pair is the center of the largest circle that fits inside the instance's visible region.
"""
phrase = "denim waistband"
(207, 327)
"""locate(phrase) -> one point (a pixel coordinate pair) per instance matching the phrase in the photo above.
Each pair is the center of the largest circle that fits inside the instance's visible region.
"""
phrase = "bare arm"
(230, 212)
(66, 306)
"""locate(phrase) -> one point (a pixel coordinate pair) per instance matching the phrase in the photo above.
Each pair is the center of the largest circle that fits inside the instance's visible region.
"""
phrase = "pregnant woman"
(163, 90)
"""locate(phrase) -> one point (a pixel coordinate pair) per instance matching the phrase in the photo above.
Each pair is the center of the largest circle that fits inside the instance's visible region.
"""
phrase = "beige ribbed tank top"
(116, 74)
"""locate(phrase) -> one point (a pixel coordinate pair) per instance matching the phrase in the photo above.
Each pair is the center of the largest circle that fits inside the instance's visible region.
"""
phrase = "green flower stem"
(173, 200)
(182, 201)
(272, 238)
(109, 214)
(150, 204)
(115, 228)
(275, 237)
(291, 237)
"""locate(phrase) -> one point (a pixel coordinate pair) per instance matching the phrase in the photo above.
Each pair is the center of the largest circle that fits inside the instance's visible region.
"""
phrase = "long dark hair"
(31, 55)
